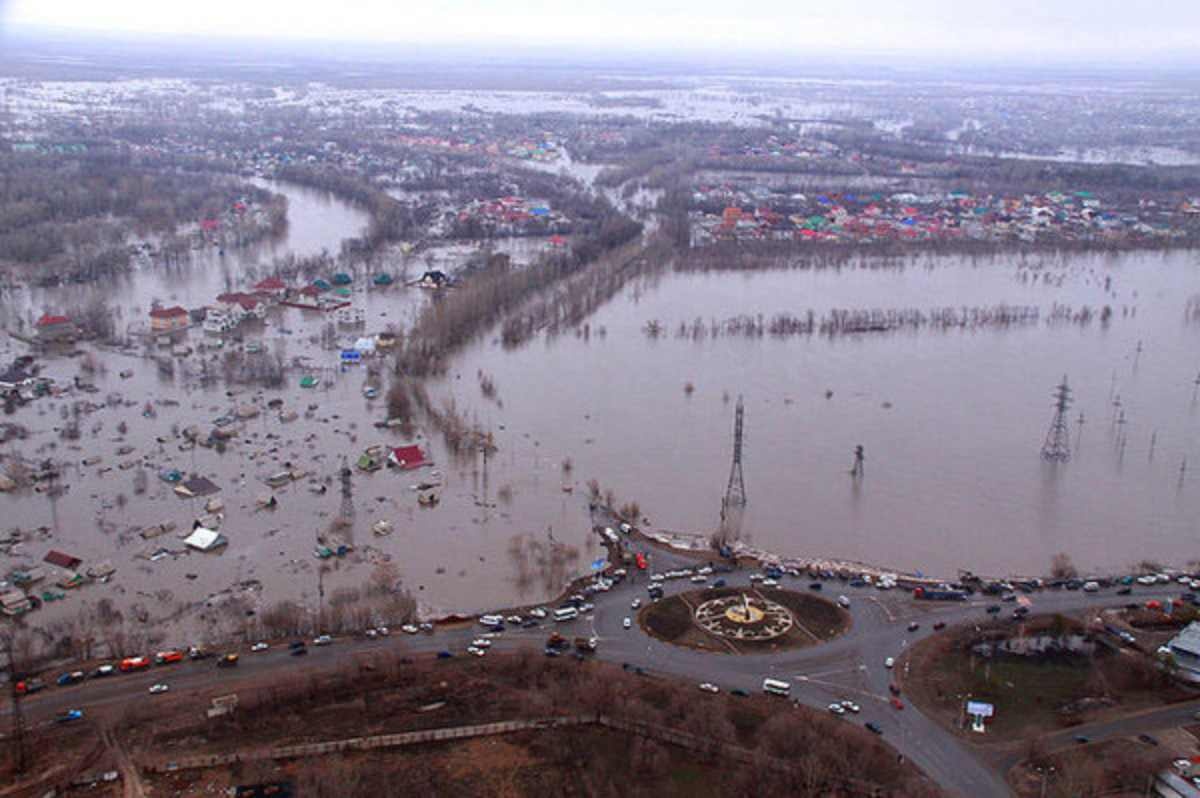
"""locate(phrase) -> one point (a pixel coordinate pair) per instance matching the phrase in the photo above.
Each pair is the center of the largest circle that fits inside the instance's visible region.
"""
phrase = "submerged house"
(167, 320)
(50, 328)
(407, 457)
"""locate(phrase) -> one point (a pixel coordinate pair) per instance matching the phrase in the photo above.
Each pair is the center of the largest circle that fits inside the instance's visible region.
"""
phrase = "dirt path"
(130, 778)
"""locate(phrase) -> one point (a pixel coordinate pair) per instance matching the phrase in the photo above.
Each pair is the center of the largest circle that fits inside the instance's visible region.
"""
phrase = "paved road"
(851, 666)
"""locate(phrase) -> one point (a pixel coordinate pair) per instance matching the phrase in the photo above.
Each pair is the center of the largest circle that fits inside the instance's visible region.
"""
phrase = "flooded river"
(951, 422)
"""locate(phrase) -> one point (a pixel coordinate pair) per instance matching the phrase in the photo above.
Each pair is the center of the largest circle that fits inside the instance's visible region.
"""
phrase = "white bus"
(566, 614)
(777, 687)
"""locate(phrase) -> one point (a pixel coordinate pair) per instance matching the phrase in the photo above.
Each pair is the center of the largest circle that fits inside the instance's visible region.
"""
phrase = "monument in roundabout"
(744, 617)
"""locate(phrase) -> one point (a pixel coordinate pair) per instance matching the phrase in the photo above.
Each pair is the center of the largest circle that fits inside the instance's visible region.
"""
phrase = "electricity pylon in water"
(1057, 447)
(735, 491)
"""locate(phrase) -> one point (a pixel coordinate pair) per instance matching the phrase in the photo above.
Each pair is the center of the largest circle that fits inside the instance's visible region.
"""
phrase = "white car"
(843, 602)
(259, 647)
(515, 620)
(1146, 580)
(478, 652)
(322, 640)
(383, 631)
(371, 634)
(627, 623)
(850, 706)
(709, 687)
(155, 689)
(481, 642)
(491, 620)
(656, 577)
(837, 709)
(705, 571)
(538, 612)
(633, 605)
(409, 629)
(769, 583)
(889, 663)
(699, 579)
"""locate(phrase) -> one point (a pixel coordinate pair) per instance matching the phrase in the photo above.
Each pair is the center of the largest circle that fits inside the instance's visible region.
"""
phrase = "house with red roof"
(239, 305)
(272, 288)
(167, 320)
(54, 328)
(408, 457)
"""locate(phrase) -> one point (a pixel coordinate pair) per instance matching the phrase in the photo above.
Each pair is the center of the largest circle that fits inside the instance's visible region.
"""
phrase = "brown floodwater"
(952, 423)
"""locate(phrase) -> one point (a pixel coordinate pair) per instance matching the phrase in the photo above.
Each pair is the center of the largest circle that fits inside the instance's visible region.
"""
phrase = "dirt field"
(816, 621)
(1107, 767)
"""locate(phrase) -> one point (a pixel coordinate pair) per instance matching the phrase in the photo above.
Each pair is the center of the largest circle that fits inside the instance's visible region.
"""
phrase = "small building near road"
(167, 320)
(1185, 651)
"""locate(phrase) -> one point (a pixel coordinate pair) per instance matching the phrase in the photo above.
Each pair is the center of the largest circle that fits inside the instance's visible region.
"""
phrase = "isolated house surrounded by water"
(165, 320)
(407, 457)
(50, 328)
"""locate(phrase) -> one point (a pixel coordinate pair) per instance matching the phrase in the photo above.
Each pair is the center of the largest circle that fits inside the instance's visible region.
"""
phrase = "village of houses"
(755, 213)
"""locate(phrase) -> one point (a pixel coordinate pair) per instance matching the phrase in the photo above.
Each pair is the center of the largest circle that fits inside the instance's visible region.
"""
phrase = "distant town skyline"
(1028, 30)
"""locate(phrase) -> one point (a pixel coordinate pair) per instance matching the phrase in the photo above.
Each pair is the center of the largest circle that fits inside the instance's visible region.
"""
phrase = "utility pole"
(347, 510)
(859, 468)
(735, 491)
(20, 758)
(1057, 446)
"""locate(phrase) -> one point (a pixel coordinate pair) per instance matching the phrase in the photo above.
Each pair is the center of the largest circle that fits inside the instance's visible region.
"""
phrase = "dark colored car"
(1125, 591)
(894, 689)
(739, 692)
(300, 652)
(444, 655)
(295, 644)
(1147, 739)
(719, 583)
(815, 586)
(1082, 739)
(940, 625)
(914, 626)
(993, 609)
(873, 727)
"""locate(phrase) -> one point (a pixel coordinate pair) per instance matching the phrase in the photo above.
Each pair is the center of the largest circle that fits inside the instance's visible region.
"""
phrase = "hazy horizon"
(1021, 33)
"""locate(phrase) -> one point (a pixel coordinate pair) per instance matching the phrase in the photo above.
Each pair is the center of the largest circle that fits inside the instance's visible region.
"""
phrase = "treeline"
(495, 291)
(77, 211)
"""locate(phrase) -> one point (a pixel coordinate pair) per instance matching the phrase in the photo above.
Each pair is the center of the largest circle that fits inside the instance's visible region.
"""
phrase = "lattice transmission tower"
(1057, 447)
(735, 491)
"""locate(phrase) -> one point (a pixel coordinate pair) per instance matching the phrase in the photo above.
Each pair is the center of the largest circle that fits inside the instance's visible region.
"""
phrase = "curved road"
(851, 666)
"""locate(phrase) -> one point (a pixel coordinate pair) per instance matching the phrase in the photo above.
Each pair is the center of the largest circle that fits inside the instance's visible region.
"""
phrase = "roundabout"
(744, 621)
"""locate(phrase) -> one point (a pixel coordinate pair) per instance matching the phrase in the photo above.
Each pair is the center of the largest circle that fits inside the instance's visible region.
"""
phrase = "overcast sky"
(1124, 30)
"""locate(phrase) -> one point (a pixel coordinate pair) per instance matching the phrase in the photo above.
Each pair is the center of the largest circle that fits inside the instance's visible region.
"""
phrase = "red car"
(897, 703)
(167, 657)
(641, 561)
(134, 664)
